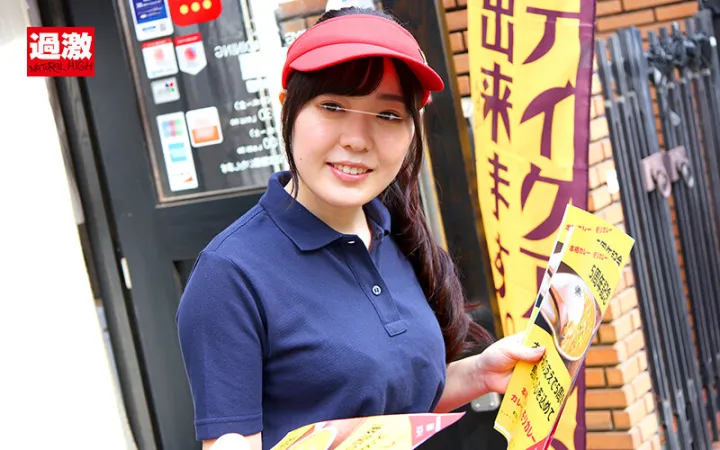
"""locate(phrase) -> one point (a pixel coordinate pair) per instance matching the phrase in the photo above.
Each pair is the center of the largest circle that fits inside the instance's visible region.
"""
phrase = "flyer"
(582, 274)
(165, 90)
(398, 432)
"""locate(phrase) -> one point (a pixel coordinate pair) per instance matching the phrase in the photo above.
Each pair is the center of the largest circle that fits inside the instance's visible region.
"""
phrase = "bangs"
(355, 78)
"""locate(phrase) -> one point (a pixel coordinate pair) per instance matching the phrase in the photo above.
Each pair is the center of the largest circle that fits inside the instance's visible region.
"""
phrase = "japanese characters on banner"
(531, 69)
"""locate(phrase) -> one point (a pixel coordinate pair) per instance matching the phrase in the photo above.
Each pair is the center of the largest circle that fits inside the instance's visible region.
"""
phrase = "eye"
(389, 115)
(334, 107)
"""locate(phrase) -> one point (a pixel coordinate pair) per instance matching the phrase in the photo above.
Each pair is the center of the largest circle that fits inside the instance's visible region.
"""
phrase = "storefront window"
(207, 75)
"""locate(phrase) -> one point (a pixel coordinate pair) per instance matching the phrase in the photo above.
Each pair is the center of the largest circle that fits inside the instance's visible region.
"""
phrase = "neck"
(350, 220)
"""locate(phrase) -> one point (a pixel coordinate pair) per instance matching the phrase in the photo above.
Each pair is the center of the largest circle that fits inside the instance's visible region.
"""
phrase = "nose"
(356, 134)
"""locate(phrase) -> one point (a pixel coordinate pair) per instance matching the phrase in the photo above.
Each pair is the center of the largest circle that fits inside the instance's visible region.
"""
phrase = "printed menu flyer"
(398, 432)
(582, 274)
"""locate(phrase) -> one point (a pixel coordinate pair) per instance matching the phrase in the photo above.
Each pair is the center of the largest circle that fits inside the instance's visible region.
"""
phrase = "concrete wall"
(56, 383)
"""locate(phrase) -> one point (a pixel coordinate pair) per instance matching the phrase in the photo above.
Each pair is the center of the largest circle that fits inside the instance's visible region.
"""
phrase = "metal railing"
(682, 69)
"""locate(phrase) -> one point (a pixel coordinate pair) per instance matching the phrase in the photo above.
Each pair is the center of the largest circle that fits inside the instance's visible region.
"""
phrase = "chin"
(347, 201)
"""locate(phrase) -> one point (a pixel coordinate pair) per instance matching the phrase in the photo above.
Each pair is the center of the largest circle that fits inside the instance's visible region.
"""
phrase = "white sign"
(159, 57)
(190, 53)
(151, 19)
(177, 152)
(204, 125)
(165, 90)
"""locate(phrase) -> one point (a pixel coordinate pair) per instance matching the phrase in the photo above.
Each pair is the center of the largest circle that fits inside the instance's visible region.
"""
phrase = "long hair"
(433, 266)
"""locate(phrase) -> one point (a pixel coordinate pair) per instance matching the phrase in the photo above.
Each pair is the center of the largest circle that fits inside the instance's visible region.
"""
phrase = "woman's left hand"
(495, 365)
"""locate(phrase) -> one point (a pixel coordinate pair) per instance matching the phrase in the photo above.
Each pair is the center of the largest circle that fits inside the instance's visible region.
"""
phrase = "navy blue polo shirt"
(285, 322)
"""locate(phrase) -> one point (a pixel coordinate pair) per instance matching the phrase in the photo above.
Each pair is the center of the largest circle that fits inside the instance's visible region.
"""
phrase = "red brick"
(627, 418)
(605, 8)
(595, 153)
(679, 11)
(457, 20)
(609, 398)
(456, 42)
(462, 2)
(628, 299)
(594, 377)
(618, 329)
(623, 373)
(634, 343)
(642, 384)
(606, 355)
(593, 178)
(629, 5)
(614, 213)
(629, 276)
(596, 86)
(462, 63)
(617, 440)
(598, 199)
(464, 85)
(649, 427)
(598, 129)
(598, 420)
(449, 4)
(625, 20)
(599, 105)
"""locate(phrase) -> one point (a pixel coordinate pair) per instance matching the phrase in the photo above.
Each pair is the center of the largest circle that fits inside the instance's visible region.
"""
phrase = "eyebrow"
(391, 97)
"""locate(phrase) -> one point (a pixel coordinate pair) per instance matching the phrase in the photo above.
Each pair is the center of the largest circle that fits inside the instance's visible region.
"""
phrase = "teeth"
(349, 170)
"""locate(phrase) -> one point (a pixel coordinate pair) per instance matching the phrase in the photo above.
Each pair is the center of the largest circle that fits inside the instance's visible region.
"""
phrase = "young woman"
(330, 299)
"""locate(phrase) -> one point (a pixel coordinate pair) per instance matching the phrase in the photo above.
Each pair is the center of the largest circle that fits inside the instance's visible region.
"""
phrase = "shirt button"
(377, 290)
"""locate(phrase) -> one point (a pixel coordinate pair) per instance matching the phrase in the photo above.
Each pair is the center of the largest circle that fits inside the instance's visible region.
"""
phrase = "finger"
(525, 353)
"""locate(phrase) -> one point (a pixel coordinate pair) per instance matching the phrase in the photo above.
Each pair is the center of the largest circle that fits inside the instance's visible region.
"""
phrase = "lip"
(346, 177)
(350, 164)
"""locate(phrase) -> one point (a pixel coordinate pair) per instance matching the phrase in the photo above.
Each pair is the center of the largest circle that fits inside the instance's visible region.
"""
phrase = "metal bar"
(675, 323)
(686, 207)
(634, 210)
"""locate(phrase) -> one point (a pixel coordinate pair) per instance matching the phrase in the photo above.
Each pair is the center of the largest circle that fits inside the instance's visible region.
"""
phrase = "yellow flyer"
(398, 432)
(582, 274)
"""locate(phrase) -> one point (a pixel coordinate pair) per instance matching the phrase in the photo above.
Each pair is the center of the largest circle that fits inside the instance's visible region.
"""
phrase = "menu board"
(202, 81)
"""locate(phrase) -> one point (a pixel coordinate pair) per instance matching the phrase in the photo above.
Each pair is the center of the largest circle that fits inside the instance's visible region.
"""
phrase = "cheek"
(310, 138)
(395, 147)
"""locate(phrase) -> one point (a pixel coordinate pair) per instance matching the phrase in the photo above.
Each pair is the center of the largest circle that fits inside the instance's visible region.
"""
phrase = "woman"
(330, 299)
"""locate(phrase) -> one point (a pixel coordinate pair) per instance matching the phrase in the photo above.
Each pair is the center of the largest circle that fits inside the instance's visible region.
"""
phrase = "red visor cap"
(345, 38)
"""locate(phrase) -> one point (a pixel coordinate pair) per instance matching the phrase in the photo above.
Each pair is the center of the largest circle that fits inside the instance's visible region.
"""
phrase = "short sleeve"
(221, 332)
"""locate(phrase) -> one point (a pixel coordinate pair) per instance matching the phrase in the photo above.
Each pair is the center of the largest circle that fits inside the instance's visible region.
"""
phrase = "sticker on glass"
(151, 19)
(191, 12)
(159, 57)
(190, 53)
(177, 153)
(204, 125)
(165, 90)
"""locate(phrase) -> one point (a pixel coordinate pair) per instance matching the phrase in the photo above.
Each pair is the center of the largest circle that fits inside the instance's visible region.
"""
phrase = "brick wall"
(620, 404)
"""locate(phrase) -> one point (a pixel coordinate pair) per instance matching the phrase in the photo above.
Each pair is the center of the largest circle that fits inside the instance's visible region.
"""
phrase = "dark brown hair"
(433, 266)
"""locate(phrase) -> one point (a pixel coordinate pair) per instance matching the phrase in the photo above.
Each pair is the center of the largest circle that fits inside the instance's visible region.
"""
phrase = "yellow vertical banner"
(531, 72)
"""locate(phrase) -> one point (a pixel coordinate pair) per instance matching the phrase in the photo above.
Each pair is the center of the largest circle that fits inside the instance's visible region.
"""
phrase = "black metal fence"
(682, 174)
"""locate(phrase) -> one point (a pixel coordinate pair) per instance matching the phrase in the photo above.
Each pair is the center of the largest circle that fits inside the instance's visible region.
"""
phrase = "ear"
(282, 96)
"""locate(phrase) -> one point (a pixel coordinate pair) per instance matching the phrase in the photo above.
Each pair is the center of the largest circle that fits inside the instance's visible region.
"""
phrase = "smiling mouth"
(350, 170)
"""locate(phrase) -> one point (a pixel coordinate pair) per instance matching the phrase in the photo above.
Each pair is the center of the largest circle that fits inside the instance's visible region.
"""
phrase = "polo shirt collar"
(302, 227)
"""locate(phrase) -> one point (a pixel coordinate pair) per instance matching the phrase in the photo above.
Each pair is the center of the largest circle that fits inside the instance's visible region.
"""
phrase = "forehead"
(390, 82)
